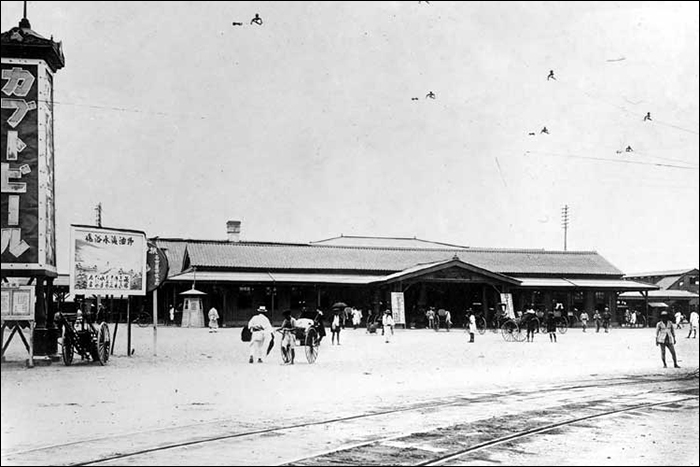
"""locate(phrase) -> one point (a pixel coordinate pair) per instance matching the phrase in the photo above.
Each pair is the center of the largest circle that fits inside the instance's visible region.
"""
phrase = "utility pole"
(565, 222)
(98, 215)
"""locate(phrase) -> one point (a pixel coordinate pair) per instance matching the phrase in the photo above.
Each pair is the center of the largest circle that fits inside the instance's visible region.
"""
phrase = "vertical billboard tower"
(29, 62)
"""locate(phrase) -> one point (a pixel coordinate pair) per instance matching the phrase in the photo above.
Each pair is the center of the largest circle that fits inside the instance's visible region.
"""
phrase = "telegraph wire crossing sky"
(382, 118)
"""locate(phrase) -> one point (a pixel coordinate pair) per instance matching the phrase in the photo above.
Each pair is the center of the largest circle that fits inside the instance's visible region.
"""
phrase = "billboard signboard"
(27, 194)
(398, 309)
(156, 268)
(107, 261)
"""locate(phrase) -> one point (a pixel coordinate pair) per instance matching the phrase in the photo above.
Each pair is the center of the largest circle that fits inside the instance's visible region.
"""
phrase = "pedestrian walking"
(530, 319)
(171, 314)
(213, 319)
(472, 325)
(448, 320)
(606, 318)
(597, 318)
(584, 320)
(666, 337)
(679, 320)
(288, 340)
(388, 325)
(552, 326)
(356, 317)
(336, 326)
(261, 334)
(430, 314)
(694, 317)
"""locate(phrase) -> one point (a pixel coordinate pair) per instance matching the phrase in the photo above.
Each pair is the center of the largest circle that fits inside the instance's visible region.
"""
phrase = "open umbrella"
(339, 305)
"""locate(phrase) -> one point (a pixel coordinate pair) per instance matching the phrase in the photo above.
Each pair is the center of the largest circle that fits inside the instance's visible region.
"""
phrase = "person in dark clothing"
(552, 326)
(606, 318)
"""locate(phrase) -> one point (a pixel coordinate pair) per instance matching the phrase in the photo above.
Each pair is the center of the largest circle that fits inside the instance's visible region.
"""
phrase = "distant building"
(238, 276)
(678, 290)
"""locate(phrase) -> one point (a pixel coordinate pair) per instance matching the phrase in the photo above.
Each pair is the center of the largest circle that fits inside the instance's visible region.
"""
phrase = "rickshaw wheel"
(67, 348)
(103, 344)
(311, 345)
(509, 331)
(481, 325)
(520, 336)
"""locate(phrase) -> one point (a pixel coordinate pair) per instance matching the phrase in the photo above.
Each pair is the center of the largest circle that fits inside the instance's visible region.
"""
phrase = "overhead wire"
(621, 161)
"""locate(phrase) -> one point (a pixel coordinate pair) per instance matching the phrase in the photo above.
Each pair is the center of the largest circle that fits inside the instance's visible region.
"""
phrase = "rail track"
(153, 449)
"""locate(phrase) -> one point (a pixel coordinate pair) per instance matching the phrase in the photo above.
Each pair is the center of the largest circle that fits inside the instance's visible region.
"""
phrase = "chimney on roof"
(233, 230)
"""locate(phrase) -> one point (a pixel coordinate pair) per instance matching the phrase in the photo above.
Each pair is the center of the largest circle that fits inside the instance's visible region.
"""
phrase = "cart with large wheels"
(511, 331)
(306, 334)
(84, 337)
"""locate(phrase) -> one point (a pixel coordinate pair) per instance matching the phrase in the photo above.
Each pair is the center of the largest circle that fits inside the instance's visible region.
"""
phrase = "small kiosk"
(192, 309)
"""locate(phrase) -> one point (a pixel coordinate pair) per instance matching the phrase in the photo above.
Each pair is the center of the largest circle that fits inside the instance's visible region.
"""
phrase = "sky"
(305, 127)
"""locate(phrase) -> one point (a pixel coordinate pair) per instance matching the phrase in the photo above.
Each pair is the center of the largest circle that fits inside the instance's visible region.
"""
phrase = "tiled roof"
(674, 272)
(384, 242)
(270, 256)
(175, 252)
(667, 282)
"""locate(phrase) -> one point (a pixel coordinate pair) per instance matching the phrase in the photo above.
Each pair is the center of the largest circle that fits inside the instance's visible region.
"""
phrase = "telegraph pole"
(98, 215)
(565, 222)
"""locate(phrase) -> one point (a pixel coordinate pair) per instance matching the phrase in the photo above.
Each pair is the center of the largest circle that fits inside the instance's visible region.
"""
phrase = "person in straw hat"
(666, 337)
(261, 333)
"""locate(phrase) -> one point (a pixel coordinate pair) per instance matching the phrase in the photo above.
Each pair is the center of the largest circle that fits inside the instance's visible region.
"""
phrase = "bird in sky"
(545, 131)
(531, 134)
(236, 24)
(629, 149)
(430, 95)
(414, 98)
(257, 20)
(647, 116)
(551, 75)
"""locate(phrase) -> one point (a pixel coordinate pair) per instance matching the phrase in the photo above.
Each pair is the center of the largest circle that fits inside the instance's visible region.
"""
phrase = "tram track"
(155, 449)
(524, 434)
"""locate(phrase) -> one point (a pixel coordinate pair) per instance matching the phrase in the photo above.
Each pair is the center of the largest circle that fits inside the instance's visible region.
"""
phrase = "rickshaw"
(81, 335)
(308, 333)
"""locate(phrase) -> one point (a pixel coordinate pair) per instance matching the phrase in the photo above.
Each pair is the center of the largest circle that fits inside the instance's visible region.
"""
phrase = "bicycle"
(143, 319)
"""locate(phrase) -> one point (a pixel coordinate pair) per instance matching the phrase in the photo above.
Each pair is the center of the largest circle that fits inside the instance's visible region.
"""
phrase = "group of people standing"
(598, 318)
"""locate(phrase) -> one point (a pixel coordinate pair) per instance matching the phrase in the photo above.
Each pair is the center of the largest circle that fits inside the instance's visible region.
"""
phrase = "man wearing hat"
(666, 337)
(261, 333)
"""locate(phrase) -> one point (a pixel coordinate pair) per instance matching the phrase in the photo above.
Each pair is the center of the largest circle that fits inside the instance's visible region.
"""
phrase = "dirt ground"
(202, 377)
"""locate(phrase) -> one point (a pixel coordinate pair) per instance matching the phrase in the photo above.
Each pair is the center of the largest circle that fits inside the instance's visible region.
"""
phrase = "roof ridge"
(387, 248)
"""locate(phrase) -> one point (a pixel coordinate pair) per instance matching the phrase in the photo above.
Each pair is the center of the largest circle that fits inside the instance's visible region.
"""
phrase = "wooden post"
(646, 306)
(128, 326)
(155, 322)
(31, 344)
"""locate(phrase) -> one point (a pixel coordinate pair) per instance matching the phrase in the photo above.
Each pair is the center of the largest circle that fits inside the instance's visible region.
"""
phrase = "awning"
(616, 284)
(658, 305)
(543, 282)
(565, 282)
(273, 277)
(661, 295)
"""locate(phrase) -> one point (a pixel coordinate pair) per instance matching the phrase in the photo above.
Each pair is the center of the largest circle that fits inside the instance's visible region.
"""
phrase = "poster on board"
(107, 261)
(398, 308)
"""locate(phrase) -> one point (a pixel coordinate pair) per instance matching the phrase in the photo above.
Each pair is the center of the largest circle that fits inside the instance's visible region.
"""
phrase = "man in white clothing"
(388, 325)
(261, 333)
(693, 324)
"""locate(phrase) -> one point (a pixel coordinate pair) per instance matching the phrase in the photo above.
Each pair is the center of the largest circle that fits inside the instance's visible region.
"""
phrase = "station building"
(238, 276)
